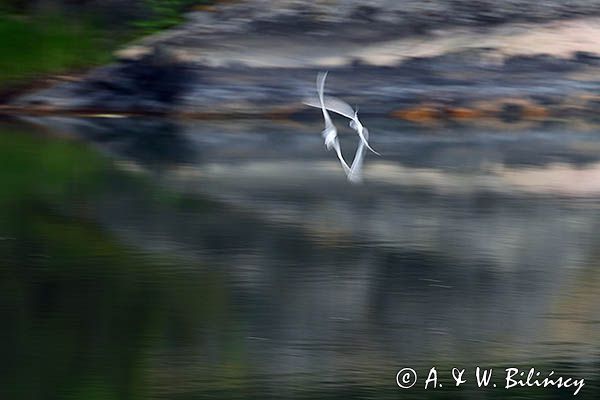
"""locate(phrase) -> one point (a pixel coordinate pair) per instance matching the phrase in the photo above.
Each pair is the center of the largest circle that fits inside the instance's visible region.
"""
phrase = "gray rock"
(255, 57)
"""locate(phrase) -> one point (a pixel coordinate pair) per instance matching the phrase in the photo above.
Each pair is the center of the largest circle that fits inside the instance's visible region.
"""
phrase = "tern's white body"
(329, 103)
(330, 131)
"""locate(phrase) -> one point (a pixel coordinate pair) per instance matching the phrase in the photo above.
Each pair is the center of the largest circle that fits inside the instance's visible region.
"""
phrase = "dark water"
(147, 259)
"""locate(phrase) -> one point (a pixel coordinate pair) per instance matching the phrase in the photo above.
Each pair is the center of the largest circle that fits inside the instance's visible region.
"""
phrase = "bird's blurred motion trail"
(330, 131)
(330, 103)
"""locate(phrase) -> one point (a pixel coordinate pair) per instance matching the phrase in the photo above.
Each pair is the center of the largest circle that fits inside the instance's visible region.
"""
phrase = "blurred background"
(41, 38)
(173, 227)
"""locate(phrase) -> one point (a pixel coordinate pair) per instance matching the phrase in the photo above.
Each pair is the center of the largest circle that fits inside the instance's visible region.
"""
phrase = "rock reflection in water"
(455, 252)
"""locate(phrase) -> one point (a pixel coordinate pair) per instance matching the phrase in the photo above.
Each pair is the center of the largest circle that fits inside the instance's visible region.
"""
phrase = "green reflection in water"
(88, 317)
(84, 313)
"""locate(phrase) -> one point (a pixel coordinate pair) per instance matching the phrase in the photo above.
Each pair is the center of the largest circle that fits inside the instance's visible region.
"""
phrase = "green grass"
(164, 14)
(33, 46)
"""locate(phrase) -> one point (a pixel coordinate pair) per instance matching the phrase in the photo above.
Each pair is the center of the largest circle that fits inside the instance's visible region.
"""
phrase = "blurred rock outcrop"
(418, 60)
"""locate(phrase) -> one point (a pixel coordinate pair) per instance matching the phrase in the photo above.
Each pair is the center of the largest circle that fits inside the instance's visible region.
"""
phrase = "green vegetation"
(36, 42)
(49, 44)
(87, 314)
(165, 13)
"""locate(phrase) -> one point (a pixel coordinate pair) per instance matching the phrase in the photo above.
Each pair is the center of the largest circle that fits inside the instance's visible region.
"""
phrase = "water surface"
(231, 259)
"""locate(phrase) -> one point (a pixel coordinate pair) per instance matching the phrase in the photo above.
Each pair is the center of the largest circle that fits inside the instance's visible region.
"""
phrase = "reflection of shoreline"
(558, 179)
(294, 278)
(555, 179)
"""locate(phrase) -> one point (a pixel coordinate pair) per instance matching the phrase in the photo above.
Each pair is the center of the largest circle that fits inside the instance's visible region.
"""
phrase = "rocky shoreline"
(465, 60)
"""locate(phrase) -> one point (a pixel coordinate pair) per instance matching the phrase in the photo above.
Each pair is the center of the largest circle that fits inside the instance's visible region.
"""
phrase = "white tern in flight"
(330, 103)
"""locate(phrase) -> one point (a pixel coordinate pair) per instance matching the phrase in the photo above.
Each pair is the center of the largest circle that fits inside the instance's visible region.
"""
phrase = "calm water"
(148, 259)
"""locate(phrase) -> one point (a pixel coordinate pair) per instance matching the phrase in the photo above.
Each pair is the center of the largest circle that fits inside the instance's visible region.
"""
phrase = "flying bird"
(355, 174)
(338, 106)
(330, 131)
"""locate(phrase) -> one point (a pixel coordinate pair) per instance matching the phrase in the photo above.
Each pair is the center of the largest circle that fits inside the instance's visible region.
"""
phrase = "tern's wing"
(355, 174)
(363, 133)
(330, 131)
(338, 151)
(332, 104)
(339, 106)
(321, 76)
